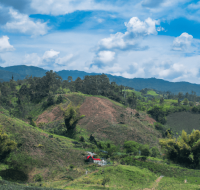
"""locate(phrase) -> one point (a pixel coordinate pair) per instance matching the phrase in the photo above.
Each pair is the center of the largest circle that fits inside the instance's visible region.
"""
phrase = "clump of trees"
(132, 147)
(6, 145)
(184, 150)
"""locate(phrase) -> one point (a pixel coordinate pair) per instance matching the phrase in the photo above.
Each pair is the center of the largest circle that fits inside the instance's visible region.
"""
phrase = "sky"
(132, 38)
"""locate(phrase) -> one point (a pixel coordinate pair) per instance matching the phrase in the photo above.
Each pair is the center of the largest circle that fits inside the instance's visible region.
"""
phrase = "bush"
(132, 147)
(154, 152)
(158, 126)
(38, 177)
(195, 109)
(6, 145)
(50, 101)
(82, 139)
(145, 150)
(191, 103)
(71, 166)
(59, 99)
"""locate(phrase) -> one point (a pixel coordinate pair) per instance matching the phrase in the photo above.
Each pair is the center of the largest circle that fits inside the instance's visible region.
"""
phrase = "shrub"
(6, 145)
(145, 150)
(59, 99)
(154, 152)
(82, 139)
(195, 109)
(191, 103)
(71, 166)
(158, 126)
(38, 177)
(132, 147)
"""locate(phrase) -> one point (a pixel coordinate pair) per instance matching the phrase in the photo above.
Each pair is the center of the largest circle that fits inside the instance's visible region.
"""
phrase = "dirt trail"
(155, 184)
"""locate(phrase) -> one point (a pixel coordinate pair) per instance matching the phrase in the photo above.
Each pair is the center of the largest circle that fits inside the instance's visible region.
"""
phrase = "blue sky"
(132, 38)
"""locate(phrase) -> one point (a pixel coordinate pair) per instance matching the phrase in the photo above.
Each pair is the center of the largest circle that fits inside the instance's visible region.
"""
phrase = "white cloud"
(32, 60)
(114, 41)
(106, 56)
(136, 29)
(23, 24)
(183, 42)
(50, 55)
(64, 60)
(141, 28)
(5, 45)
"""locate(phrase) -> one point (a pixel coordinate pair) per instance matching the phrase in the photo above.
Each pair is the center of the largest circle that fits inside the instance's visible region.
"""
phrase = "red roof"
(93, 158)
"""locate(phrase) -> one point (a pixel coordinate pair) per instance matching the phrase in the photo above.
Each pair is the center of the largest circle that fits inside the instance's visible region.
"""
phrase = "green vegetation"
(44, 137)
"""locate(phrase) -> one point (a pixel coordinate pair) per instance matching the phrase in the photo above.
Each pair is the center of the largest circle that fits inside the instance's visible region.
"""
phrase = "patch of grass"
(152, 92)
(123, 177)
(168, 183)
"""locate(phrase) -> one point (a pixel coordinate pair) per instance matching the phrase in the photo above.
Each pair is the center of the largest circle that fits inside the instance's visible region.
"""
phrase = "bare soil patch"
(103, 121)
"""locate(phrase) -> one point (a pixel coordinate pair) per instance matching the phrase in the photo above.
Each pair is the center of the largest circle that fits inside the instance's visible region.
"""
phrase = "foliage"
(155, 152)
(132, 147)
(71, 117)
(184, 150)
(6, 145)
(38, 177)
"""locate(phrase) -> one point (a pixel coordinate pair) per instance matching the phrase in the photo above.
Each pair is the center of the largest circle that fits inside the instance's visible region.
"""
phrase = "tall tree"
(71, 117)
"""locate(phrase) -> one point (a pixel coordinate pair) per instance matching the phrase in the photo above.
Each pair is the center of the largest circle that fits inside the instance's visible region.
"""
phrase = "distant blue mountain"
(19, 72)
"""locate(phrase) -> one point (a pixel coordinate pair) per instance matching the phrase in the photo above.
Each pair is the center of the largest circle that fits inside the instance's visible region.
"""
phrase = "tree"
(78, 84)
(145, 150)
(59, 99)
(161, 100)
(154, 152)
(71, 118)
(132, 147)
(6, 145)
(185, 101)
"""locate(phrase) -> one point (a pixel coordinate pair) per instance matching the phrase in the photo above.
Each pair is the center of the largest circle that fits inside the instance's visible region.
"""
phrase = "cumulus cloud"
(50, 55)
(5, 45)
(136, 30)
(183, 42)
(106, 56)
(32, 60)
(141, 28)
(23, 24)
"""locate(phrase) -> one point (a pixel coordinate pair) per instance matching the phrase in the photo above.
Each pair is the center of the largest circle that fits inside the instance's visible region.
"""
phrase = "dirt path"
(155, 184)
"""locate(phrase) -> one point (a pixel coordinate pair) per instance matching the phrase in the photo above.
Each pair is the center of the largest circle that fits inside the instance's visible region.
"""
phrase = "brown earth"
(102, 120)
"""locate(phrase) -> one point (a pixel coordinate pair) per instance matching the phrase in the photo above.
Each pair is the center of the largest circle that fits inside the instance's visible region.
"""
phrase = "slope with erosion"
(39, 153)
(104, 120)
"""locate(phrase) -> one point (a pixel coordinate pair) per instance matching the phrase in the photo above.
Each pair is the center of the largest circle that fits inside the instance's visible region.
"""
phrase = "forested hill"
(21, 71)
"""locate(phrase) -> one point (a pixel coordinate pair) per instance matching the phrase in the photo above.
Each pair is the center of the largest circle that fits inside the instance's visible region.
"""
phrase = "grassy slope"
(121, 177)
(55, 151)
(101, 125)
(51, 160)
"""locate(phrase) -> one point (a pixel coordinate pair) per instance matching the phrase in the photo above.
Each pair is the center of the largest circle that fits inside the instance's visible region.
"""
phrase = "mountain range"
(20, 72)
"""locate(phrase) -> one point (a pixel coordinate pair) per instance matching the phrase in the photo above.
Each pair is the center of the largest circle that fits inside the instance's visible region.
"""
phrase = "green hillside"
(126, 127)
